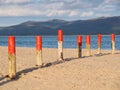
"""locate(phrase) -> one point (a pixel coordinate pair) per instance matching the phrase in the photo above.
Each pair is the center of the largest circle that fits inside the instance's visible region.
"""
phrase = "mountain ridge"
(103, 25)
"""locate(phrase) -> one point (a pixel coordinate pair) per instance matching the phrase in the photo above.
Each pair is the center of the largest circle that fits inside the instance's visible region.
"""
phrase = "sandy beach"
(97, 72)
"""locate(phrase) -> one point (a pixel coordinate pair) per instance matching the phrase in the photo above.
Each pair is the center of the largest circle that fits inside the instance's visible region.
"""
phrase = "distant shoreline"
(55, 35)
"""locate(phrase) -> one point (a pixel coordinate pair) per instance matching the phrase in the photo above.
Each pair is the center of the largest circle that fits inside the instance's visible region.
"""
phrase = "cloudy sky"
(17, 11)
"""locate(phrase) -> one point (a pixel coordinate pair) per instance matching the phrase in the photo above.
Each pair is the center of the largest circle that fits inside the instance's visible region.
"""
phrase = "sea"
(70, 41)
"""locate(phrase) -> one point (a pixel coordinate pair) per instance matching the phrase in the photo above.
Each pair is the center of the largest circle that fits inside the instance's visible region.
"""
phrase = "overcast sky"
(17, 11)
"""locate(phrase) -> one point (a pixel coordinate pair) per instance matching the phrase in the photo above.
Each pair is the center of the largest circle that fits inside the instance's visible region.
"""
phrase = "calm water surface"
(69, 41)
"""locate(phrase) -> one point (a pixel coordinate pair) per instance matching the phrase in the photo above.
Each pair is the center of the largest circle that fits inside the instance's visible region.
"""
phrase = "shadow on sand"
(6, 79)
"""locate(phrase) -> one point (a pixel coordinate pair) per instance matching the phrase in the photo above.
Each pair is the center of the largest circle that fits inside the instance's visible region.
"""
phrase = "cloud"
(50, 13)
(108, 5)
(52, 8)
(106, 8)
(19, 12)
(16, 10)
(14, 1)
(73, 13)
(112, 1)
(87, 14)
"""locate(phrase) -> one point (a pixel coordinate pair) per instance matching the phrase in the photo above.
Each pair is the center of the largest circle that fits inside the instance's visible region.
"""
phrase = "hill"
(103, 25)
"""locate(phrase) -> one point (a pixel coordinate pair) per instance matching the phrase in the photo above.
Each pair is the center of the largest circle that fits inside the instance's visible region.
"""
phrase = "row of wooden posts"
(39, 61)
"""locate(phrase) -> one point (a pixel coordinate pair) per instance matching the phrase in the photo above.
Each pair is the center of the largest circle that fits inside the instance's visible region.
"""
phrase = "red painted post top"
(39, 42)
(88, 39)
(60, 35)
(99, 38)
(113, 37)
(11, 45)
(79, 40)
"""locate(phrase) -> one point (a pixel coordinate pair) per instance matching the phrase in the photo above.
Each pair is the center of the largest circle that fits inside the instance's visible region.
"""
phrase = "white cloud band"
(49, 8)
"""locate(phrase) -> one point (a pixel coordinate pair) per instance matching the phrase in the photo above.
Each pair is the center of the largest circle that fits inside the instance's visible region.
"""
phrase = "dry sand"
(87, 73)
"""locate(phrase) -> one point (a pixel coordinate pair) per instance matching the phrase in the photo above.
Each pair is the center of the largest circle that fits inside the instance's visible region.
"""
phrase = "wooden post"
(60, 45)
(113, 43)
(99, 43)
(12, 56)
(39, 50)
(79, 46)
(88, 45)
